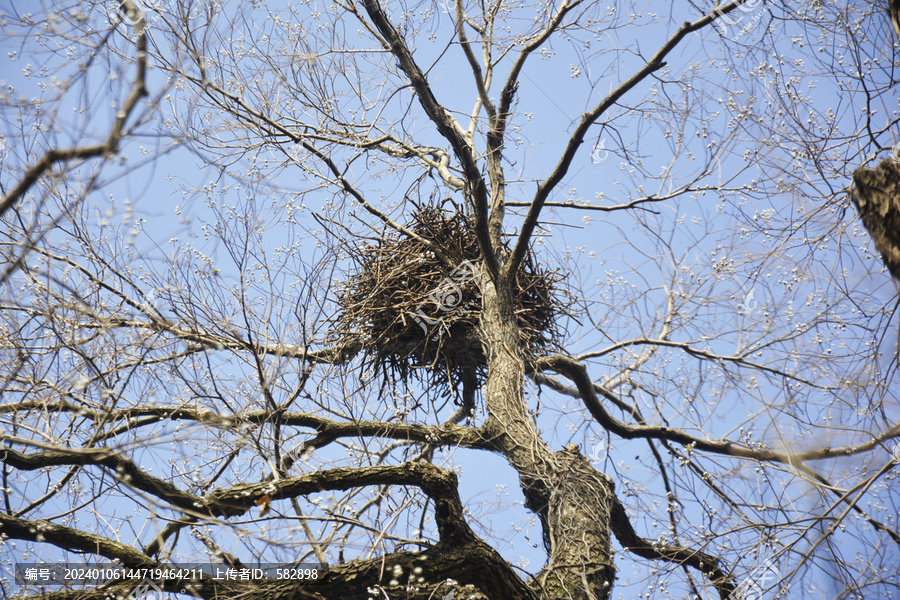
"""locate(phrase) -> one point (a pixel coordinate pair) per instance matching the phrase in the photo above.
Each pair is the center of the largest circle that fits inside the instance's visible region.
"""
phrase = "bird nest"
(418, 313)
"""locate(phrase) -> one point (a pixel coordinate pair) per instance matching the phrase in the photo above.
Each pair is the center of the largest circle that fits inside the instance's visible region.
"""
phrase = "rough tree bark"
(876, 195)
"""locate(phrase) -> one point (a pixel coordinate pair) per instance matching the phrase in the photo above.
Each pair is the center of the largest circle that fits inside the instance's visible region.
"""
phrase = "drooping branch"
(739, 359)
(588, 392)
(73, 540)
(122, 467)
(632, 542)
(438, 484)
(459, 548)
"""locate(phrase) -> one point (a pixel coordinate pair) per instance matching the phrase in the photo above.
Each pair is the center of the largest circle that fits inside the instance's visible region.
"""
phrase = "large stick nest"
(419, 315)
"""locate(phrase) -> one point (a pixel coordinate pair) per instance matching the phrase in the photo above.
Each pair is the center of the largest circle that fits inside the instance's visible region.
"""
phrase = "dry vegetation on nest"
(419, 315)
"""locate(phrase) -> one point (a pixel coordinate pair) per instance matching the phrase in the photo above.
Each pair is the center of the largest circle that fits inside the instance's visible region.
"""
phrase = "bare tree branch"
(116, 134)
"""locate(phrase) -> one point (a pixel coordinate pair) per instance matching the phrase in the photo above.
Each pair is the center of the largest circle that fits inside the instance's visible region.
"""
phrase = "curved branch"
(587, 391)
(637, 202)
(797, 463)
(697, 353)
(111, 145)
(73, 539)
(703, 562)
(438, 484)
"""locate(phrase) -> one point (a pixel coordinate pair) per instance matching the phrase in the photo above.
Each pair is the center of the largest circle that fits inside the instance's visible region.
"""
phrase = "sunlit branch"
(108, 148)
(546, 187)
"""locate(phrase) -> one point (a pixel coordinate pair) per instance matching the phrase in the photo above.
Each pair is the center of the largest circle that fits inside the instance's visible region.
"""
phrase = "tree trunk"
(572, 499)
(876, 194)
